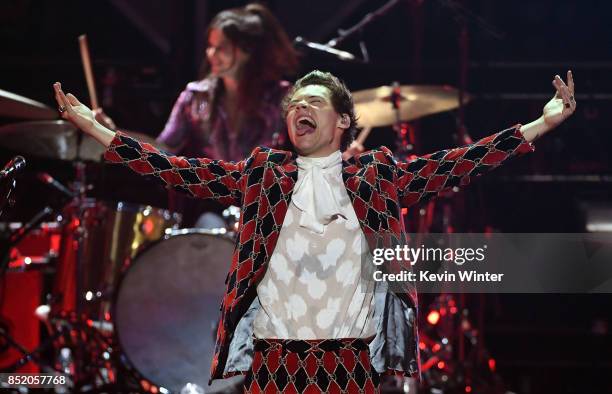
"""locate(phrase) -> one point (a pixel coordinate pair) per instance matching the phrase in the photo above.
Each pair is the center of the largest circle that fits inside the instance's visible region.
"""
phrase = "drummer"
(236, 106)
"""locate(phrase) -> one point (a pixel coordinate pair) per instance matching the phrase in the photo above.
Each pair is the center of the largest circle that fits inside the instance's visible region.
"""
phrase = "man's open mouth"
(305, 124)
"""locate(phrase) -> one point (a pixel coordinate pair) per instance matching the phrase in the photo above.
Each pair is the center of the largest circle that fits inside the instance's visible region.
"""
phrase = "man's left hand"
(563, 104)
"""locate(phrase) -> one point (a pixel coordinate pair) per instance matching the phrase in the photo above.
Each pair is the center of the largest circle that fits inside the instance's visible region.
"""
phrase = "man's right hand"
(81, 116)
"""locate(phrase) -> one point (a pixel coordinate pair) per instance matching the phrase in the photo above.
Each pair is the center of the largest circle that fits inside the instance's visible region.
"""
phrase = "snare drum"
(111, 235)
(167, 308)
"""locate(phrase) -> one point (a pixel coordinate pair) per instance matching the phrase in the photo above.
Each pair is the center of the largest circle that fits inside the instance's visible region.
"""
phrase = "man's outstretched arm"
(202, 178)
(428, 175)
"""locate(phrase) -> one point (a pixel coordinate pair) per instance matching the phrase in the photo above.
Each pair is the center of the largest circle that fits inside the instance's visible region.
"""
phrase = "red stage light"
(492, 364)
(148, 226)
(468, 389)
(441, 364)
(433, 317)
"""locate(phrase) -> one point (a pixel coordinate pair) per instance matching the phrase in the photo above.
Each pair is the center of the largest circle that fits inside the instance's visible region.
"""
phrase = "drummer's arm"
(426, 176)
(175, 133)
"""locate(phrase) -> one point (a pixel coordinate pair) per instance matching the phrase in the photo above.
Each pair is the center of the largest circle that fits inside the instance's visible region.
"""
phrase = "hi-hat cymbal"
(374, 107)
(55, 139)
(16, 106)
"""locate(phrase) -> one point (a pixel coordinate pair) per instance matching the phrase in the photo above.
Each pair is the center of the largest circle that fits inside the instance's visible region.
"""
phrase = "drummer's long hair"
(255, 30)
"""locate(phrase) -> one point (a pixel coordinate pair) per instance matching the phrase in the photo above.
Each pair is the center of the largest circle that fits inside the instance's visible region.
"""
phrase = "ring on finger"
(572, 98)
(61, 109)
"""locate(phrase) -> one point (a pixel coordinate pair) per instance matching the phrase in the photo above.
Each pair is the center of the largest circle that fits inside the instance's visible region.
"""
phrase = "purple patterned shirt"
(198, 125)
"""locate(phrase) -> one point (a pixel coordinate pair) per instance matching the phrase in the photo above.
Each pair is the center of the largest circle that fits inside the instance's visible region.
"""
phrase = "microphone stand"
(8, 198)
(359, 27)
(10, 173)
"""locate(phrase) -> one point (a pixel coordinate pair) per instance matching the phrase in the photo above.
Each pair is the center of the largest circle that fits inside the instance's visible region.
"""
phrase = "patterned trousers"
(311, 366)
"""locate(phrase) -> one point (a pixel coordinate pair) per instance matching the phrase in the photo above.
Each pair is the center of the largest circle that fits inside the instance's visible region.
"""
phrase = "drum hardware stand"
(460, 326)
(456, 332)
(30, 356)
(5, 245)
(75, 334)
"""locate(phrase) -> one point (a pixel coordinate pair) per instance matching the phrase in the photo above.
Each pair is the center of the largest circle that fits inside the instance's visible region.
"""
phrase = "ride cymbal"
(374, 107)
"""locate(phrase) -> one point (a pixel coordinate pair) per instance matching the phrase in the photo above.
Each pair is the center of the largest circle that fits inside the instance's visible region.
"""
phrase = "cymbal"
(16, 106)
(373, 106)
(56, 139)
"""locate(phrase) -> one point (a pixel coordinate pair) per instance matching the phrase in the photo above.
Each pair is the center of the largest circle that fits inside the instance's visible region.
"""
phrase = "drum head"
(167, 309)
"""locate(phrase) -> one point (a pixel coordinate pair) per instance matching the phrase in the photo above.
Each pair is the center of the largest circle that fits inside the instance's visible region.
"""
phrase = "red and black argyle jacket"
(262, 184)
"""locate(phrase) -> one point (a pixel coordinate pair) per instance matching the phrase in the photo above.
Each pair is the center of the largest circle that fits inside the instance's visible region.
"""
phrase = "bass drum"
(167, 309)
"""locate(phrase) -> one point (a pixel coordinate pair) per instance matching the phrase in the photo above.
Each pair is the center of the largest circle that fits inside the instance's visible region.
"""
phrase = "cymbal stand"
(406, 135)
(74, 349)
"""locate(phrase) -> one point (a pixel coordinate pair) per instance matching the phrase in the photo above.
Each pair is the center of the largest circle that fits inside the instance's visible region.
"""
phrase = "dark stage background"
(542, 343)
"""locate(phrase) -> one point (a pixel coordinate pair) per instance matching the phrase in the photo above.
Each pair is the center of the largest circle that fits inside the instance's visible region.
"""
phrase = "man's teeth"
(307, 122)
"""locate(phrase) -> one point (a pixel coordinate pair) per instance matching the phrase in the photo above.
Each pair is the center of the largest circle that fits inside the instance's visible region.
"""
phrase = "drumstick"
(91, 86)
(363, 135)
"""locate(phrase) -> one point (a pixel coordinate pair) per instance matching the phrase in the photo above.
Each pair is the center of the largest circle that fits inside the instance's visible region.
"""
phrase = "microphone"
(49, 180)
(12, 167)
(342, 55)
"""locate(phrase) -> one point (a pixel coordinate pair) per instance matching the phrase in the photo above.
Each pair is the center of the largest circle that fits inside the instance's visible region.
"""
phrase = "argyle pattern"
(262, 184)
(311, 366)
